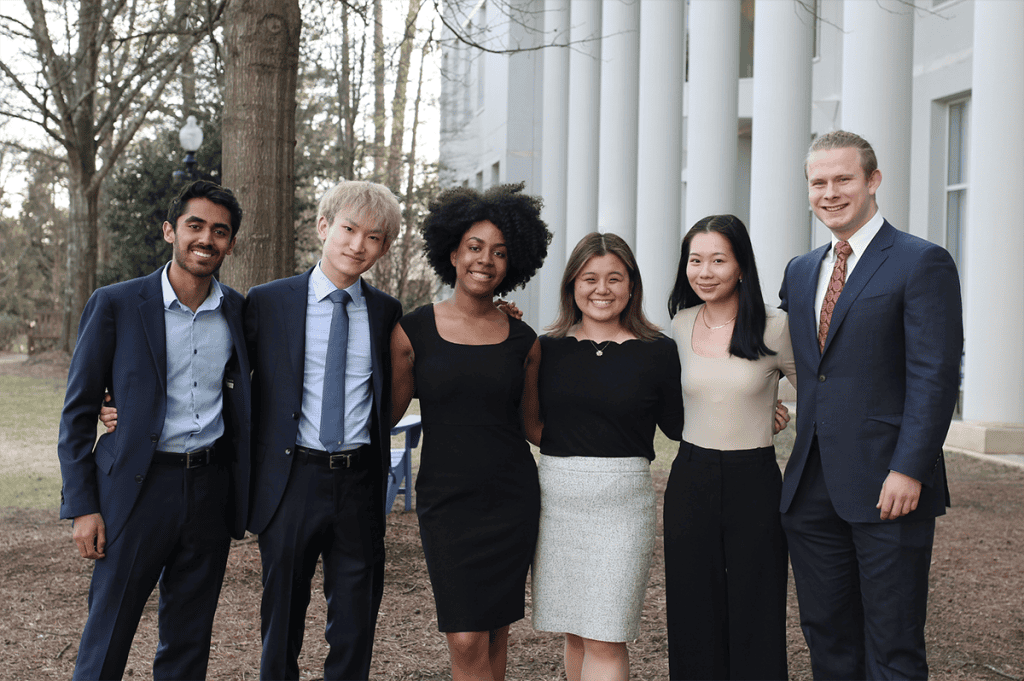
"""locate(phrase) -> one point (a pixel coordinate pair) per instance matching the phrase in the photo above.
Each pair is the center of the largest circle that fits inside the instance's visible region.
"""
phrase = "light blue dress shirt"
(358, 366)
(198, 348)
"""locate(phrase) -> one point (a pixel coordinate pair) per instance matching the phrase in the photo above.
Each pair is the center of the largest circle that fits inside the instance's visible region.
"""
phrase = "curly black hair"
(515, 214)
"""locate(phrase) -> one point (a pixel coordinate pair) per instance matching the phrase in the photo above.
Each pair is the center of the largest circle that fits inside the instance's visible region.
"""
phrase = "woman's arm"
(670, 394)
(403, 382)
(530, 405)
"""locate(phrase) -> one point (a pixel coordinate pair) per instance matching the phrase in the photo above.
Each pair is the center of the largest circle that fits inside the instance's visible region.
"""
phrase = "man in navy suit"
(321, 466)
(160, 498)
(876, 324)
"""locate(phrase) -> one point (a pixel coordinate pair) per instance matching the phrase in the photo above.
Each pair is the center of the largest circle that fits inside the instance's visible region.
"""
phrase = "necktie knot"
(843, 249)
(339, 295)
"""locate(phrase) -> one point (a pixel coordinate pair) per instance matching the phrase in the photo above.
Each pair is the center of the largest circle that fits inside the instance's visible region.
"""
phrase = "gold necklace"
(600, 349)
(704, 318)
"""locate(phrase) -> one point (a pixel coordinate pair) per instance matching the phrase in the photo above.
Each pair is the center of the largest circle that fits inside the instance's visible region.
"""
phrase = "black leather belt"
(193, 459)
(334, 461)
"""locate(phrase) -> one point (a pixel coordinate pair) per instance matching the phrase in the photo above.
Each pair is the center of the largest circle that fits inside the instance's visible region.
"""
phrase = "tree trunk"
(394, 168)
(188, 64)
(261, 39)
(379, 111)
(346, 131)
(83, 218)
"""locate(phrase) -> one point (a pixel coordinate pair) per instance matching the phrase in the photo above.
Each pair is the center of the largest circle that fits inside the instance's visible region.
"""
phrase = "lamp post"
(191, 138)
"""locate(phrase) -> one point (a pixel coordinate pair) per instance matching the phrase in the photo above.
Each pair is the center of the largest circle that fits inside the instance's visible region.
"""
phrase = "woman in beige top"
(725, 552)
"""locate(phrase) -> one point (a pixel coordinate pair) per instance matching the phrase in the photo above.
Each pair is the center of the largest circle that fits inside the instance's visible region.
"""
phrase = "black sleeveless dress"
(477, 493)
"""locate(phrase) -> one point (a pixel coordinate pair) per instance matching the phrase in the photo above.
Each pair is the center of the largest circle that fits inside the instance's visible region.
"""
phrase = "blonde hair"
(841, 139)
(366, 199)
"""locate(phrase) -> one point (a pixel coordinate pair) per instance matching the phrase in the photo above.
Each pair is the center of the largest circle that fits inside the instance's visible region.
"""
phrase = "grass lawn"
(29, 472)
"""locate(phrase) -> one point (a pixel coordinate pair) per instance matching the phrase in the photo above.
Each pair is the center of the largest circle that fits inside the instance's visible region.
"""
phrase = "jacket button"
(154, 437)
(288, 452)
(295, 414)
(821, 378)
(138, 478)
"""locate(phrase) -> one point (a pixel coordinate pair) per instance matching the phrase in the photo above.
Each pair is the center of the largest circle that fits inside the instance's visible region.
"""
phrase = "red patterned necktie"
(835, 287)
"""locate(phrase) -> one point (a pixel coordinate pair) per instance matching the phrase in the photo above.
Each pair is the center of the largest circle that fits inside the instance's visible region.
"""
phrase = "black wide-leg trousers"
(725, 565)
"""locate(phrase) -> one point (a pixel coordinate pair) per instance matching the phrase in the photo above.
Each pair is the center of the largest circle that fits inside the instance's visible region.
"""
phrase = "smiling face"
(351, 245)
(841, 194)
(201, 238)
(481, 260)
(712, 269)
(602, 288)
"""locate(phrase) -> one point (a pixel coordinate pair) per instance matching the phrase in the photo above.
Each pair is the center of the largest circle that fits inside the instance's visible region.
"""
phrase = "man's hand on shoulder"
(899, 496)
(90, 536)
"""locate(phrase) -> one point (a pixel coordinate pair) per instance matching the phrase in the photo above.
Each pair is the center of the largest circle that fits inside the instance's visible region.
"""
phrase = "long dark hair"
(632, 316)
(748, 334)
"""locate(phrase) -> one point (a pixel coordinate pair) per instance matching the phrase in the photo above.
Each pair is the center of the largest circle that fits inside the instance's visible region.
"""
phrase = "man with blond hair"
(319, 348)
(875, 320)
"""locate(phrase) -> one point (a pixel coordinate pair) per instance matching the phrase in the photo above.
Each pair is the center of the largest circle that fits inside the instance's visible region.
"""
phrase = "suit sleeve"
(670, 394)
(88, 377)
(933, 327)
(784, 290)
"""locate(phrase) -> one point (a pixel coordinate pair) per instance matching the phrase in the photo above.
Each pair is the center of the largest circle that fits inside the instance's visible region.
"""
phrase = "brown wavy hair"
(632, 317)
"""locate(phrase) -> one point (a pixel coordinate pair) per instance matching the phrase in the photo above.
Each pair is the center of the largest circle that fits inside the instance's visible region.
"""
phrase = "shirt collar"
(862, 237)
(322, 286)
(212, 301)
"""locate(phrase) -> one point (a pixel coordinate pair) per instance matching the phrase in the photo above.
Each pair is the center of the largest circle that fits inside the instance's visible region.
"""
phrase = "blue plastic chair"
(400, 477)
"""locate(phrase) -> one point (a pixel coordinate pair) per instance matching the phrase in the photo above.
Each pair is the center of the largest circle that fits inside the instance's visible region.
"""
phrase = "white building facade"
(650, 114)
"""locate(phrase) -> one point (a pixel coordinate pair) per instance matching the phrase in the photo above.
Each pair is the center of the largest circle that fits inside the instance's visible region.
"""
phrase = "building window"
(495, 173)
(480, 181)
(957, 127)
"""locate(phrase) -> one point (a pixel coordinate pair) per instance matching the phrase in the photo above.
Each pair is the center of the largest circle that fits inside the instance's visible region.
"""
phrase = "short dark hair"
(748, 334)
(632, 316)
(516, 215)
(204, 189)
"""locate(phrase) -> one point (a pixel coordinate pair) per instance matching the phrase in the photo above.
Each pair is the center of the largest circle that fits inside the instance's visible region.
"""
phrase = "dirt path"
(975, 627)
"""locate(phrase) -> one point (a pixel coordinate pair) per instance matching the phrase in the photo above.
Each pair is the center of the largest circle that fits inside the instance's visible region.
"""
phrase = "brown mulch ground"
(975, 623)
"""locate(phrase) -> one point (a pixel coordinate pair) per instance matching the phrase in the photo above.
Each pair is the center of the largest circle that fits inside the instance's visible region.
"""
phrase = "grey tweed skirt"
(593, 558)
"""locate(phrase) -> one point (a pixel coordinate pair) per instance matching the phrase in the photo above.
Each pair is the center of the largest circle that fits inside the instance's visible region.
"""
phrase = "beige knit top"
(729, 402)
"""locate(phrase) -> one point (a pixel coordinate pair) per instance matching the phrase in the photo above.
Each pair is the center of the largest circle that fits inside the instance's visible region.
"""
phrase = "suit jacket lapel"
(373, 310)
(233, 315)
(868, 263)
(294, 314)
(152, 312)
(809, 282)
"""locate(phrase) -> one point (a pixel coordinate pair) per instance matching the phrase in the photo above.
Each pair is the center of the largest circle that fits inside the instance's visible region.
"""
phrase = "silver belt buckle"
(346, 457)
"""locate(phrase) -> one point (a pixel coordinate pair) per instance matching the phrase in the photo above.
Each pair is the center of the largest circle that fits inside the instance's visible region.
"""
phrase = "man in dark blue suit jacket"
(313, 496)
(866, 478)
(160, 497)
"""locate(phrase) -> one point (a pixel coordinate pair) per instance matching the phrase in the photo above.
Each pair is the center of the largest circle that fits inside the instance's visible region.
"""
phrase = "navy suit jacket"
(122, 347)
(881, 395)
(275, 330)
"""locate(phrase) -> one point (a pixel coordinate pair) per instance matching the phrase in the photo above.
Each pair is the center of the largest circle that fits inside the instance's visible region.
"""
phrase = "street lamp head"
(191, 135)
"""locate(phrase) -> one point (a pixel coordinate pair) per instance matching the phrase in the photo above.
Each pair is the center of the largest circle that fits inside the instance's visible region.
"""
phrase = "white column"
(994, 248)
(584, 112)
(660, 151)
(781, 132)
(620, 66)
(711, 145)
(555, 129)
(878, 51)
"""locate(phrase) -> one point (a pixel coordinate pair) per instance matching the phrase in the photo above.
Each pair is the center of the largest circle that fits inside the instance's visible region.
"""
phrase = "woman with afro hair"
(474, 370)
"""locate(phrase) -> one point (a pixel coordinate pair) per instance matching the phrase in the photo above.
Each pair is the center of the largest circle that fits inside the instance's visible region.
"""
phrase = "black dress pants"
(725, 565)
